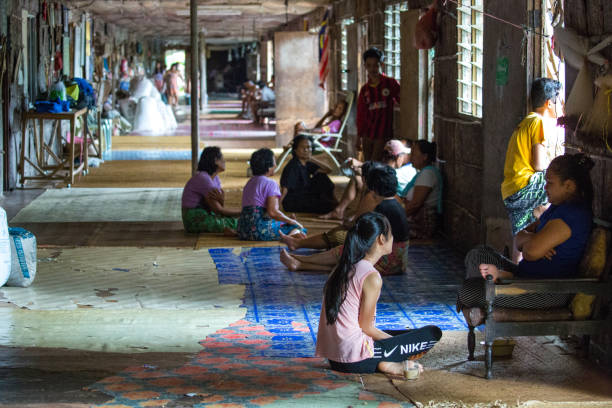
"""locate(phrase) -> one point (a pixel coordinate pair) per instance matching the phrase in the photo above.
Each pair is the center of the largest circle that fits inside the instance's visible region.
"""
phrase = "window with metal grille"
(469, 60)
(392, 44)
(344, 54)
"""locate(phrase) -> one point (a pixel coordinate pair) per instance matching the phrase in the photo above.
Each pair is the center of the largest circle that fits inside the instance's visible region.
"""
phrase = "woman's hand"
(297, 224)
(542, 244)
(294, 221)
(215, 201)
(420, 194)
(215, 195)
(549, 255)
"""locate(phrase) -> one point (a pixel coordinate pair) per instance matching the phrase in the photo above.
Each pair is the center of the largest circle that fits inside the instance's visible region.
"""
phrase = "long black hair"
(576, 167)
(208, 159)
(359, 240)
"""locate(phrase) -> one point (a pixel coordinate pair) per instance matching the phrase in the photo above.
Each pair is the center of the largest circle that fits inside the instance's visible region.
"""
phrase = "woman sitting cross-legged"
(423, 195)
(382, 183)
(203, 198)
(305, 185)
(336, 235)
(261, 219)
(552, 247)
(347, 334)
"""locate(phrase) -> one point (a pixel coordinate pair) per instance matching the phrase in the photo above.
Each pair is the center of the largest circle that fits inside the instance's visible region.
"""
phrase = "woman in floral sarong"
(203, 198)
(261, 219)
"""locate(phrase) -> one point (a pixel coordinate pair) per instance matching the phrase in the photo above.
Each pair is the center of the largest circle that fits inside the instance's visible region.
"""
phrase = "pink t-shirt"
(344, 341)
(198, 186)
(257, 190)
(332, 127)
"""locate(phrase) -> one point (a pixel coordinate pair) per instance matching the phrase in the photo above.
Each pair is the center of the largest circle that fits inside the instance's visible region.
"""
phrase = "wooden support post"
(203, 73)
(195, 112)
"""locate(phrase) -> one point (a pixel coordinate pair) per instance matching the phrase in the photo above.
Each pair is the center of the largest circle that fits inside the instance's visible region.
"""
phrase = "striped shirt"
(375, 108)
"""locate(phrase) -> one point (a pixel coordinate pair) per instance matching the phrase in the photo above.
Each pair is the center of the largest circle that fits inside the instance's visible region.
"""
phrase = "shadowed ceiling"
(222, 21)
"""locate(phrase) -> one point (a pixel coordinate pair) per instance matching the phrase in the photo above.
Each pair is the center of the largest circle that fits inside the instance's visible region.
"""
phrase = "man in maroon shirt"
(375, 107)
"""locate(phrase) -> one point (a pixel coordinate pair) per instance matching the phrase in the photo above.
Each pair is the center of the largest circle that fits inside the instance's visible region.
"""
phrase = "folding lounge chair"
(336, 138)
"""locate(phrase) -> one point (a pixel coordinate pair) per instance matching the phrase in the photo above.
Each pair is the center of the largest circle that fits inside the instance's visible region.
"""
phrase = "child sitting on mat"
(347, 334)
(203, 198)
(261, 219)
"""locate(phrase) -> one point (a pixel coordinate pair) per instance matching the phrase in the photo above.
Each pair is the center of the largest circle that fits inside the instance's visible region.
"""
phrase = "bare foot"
(290, 262)
(398, 369)
(288, 240)
(333, 215)
(488, 269)
(389, 367)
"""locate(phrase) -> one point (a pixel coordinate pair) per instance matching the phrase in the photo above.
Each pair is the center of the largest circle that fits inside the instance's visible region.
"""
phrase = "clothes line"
(522, 27)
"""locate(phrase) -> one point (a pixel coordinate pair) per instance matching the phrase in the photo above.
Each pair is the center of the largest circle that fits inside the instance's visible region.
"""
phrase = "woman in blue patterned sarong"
(261, 219)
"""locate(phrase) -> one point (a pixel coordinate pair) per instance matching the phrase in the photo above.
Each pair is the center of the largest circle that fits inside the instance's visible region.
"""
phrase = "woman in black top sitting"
(305, 186)
(381, 181)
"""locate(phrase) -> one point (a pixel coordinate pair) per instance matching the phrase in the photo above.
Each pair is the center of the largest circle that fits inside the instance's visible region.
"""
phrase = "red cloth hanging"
(59, 62)
(426, 30)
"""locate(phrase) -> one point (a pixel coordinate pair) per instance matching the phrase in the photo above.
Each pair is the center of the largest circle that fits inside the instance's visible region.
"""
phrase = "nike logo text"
(387, 354)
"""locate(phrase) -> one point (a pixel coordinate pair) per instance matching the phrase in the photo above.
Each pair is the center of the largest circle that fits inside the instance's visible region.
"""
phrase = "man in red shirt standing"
(375, 107)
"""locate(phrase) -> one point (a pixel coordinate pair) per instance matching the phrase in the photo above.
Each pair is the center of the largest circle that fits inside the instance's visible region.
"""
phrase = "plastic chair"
(335, 137)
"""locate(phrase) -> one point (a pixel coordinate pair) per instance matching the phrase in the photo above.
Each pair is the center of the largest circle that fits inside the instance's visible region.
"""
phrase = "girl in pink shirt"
(347, 334)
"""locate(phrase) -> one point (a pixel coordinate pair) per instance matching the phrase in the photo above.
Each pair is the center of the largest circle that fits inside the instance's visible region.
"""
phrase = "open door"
(298, 95)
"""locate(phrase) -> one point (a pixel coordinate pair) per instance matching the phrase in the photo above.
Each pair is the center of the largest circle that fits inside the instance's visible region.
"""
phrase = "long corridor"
(131, 311)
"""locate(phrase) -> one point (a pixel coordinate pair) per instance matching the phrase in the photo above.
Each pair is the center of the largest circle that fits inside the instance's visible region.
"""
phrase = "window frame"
(344, 52)
(392, 39)
(470, 31)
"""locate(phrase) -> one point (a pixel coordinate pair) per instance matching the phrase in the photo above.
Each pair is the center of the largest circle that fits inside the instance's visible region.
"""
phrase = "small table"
(44, 150)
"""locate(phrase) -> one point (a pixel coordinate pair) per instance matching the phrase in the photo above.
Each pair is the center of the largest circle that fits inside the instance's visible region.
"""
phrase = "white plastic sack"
(168, 115)
(575, 47)
(152, 115)
(5, 249)
(580, 99)
(148, 118)
(23, 254)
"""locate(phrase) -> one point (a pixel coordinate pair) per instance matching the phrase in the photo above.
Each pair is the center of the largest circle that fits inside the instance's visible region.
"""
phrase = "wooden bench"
(506, 322)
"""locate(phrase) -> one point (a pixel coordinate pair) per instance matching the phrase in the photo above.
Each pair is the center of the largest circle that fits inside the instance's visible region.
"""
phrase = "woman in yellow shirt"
(527, 158)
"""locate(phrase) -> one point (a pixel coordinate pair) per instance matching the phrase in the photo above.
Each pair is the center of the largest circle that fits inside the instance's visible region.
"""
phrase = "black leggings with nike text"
(404, 345)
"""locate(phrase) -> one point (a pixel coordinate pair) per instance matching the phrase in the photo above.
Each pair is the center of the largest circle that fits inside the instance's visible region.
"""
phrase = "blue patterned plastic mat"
(148, 155)
(287, 304)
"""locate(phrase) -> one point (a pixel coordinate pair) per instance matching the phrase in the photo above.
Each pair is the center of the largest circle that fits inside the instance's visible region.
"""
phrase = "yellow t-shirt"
(517, 168)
